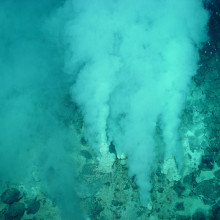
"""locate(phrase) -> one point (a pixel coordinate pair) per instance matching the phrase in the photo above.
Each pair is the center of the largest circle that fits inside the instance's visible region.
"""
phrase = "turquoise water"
(109, 110)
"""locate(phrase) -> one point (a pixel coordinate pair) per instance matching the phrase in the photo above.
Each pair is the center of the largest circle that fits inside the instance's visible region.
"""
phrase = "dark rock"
(96, 209)
(140, 213)
(116, 203)
(15, 211)
(107, 183)
(126, 186)
(112, 149)
(217, 159)
(182, 217)
(214, 143)
(199, 215)
(160, 176)
(133, 183)
(116, 215)
(10, 196)
(190, 179)
(217, 174)
(2, 213)
(33, 206)
(157, 210)
(207, 162)
(83, 141)
(208, 151)
(207, 201)
(30, 219)
(215, 148)
(179, 206)
(6, 217)
(86, 154)
(209, 189)
(179, 188)
(160, 190)
(216, 211)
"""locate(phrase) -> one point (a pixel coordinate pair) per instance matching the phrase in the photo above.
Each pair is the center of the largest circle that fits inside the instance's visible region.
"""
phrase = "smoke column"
(132, 62)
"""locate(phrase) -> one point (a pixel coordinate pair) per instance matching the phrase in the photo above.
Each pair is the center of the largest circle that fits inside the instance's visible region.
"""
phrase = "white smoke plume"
(132, 62)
